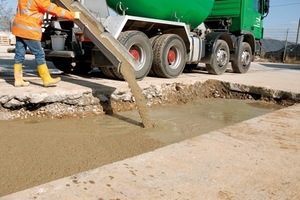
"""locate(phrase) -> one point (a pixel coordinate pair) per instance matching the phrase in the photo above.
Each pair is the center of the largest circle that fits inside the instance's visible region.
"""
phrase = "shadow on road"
(98, 90)
(281, 66)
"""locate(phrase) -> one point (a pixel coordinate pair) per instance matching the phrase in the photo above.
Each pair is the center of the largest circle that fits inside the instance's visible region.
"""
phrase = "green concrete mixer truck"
(163, 36)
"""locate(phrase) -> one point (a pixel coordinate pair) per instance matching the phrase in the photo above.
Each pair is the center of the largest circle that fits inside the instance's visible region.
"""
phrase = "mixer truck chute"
(163, 37)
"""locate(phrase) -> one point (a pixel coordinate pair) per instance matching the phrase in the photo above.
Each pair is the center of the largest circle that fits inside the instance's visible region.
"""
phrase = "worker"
(28, 31)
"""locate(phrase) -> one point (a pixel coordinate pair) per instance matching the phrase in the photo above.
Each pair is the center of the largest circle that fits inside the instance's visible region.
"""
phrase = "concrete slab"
(256, 159)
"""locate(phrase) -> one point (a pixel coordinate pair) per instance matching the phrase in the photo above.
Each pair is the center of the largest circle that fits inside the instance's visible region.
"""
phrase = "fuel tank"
(192, 12)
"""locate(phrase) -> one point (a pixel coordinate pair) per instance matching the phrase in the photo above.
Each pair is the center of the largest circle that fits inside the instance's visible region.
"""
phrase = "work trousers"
(34, 46)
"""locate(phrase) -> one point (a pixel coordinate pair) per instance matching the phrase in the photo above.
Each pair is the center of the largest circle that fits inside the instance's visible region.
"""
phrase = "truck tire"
(65, 65)
(152, 40)
(107, 71)
(243, 60)
(169, 56)
(139, 46)
(219, 58)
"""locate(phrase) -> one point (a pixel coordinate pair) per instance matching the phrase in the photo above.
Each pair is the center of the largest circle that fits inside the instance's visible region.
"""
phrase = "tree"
(6, 16)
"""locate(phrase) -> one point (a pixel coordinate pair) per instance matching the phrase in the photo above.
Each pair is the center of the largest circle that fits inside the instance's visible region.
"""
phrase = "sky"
(281, 22)
(284, 15)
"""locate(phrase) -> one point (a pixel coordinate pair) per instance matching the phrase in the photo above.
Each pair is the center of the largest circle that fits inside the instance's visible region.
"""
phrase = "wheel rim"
(135, 53)
(222, 57)
(246, 58)
(138, 54)
(173, 57)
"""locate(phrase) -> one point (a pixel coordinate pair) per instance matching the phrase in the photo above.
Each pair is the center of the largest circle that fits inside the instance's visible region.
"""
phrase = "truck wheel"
(139, 45)
(107, 71)
(219, 59)
(66, 66)
(152, 40)
(82, 67)
(169, 56)
(62, 66)
(244, 57)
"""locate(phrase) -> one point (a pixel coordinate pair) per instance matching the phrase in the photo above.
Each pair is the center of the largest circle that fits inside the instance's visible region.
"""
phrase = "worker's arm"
(55, 10)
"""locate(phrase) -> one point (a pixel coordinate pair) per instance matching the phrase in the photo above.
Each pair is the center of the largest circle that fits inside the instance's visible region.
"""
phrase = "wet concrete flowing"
(37, 150)
(107, 43)
(128, 73)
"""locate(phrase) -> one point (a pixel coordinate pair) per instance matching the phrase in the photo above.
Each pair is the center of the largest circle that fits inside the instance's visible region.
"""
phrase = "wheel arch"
(249, 38)
(147, 26)
(211, 41)
(246, 37)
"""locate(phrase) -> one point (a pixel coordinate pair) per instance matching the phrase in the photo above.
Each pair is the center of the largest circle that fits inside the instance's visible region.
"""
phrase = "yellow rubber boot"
(18, 74)
(44, 74)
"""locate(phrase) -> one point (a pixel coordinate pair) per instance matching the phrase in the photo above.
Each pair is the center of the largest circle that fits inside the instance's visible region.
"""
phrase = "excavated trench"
(51, 141)
(99, 102)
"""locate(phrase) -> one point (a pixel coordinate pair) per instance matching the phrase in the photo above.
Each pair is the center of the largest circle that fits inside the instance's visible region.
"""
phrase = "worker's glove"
(77, 15)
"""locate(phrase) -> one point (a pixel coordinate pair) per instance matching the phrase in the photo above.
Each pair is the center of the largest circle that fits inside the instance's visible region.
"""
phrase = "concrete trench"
(96, 102)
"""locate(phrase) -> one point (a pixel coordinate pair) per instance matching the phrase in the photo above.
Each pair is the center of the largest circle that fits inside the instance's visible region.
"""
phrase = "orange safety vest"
(30, 14)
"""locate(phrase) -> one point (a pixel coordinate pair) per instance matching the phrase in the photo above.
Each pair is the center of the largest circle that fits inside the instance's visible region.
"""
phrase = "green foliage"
(6, 16)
